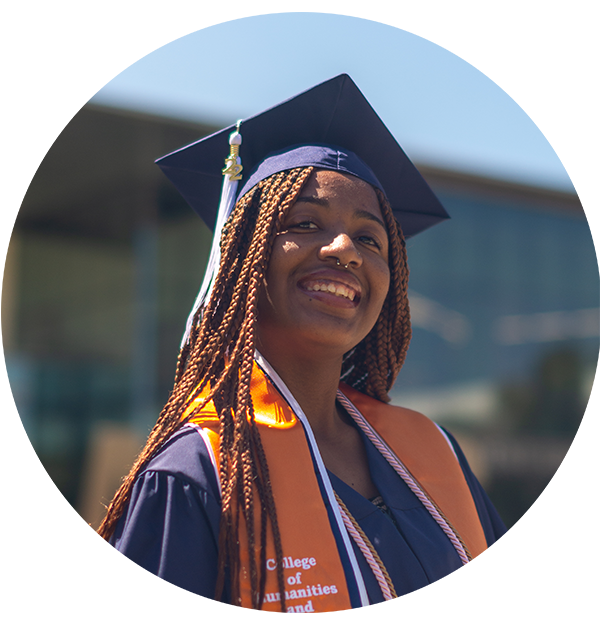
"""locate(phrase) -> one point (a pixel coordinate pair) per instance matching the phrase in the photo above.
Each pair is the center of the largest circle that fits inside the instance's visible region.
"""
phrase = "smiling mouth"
(330, 287)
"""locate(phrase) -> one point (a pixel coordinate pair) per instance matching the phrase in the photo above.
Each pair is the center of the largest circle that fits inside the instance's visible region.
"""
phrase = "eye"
(369, 241)
(305, 224)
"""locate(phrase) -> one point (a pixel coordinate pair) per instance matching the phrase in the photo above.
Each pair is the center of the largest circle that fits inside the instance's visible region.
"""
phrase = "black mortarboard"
(333, 115)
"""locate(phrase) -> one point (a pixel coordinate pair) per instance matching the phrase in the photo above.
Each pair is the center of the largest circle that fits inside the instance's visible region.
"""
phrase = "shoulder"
(179, 479)
(412, 436)
(170, 526)
(380, 412)
(186, 456)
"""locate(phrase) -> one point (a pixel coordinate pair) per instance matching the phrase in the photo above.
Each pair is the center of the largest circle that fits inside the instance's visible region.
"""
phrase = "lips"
(332, 285)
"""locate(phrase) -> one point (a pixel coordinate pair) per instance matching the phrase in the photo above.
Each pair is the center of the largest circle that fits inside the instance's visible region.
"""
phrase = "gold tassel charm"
(232, 168)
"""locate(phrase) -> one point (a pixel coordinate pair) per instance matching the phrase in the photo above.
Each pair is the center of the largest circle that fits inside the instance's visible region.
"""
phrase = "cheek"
(278, 269)
(283, 259)
(381, 285)
(379, 293)
(289, 247)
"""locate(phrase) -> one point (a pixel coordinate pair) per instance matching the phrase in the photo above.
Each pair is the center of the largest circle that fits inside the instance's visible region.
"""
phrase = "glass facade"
(518, 281)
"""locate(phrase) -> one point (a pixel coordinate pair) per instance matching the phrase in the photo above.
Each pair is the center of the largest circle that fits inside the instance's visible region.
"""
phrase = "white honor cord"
(272, 374)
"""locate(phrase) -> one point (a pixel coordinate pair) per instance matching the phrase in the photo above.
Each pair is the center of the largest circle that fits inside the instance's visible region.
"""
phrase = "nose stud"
(339, 264)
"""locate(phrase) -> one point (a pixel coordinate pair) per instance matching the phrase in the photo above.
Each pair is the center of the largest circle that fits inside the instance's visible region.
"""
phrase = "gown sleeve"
(170, 526)
(496, 536)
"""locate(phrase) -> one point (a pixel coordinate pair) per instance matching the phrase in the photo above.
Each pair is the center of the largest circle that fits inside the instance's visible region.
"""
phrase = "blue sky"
(441, 109)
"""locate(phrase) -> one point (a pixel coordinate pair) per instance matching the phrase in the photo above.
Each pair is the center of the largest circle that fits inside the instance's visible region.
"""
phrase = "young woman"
(277, 476)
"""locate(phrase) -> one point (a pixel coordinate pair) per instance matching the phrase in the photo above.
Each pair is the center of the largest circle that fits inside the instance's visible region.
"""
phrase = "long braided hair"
(219, 354)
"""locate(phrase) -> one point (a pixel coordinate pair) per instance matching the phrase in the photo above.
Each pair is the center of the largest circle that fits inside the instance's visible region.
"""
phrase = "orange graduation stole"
(314, 576)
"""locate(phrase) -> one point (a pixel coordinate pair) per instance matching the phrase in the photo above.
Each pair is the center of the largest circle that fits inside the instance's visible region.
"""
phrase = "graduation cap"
(334, 113)
(330, 126)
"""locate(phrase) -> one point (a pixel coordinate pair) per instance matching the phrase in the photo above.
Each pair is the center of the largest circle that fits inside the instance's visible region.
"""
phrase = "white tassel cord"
(226, 205)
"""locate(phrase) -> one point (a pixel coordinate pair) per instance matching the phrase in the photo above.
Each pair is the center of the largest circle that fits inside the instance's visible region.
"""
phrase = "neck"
(313, 383)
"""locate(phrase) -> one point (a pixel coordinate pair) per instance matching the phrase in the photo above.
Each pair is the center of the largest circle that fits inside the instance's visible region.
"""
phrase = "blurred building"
(106, 259)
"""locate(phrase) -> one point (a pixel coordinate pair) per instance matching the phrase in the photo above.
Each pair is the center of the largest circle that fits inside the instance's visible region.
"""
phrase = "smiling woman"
(277, 476)
(328, 275)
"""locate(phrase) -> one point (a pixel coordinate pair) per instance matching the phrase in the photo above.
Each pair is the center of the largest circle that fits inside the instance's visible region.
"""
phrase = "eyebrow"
(361, 213)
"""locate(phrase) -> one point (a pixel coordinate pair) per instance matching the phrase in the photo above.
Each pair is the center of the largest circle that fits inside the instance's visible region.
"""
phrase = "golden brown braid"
(220, 354)
(373, 365)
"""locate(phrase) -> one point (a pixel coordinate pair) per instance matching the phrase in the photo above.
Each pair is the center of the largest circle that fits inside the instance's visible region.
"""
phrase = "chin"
(330, 337)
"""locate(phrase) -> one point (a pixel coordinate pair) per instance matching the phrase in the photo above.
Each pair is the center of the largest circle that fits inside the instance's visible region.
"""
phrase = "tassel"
(231, 176)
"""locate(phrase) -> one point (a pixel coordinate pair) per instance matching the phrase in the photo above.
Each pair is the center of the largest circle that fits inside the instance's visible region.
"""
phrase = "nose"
(342, 249)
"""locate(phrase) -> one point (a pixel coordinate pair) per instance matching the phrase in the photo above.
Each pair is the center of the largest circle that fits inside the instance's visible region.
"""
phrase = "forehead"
(331, 186)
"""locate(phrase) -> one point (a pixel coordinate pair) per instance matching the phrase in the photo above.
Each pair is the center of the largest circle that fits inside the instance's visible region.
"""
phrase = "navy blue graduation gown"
(171, 524)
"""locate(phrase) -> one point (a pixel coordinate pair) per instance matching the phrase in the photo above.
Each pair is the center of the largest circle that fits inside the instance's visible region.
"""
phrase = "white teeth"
(333, 288)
